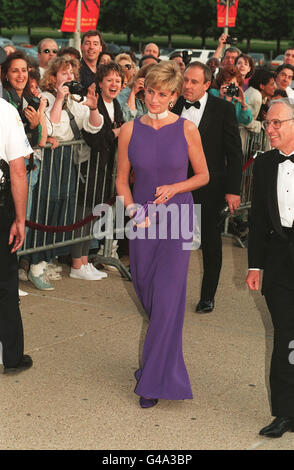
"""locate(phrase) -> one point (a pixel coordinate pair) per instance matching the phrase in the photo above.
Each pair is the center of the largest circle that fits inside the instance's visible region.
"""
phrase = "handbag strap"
(73, 125)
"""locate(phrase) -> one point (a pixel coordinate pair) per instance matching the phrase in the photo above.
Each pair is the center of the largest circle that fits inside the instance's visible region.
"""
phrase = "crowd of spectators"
(113, 93)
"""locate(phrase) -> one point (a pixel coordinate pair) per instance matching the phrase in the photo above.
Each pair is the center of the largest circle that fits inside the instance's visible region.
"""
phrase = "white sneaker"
(84, 273)
(91, 268)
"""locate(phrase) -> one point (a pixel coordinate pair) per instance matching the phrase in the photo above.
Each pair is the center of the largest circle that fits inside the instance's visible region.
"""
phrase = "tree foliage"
(264, 19)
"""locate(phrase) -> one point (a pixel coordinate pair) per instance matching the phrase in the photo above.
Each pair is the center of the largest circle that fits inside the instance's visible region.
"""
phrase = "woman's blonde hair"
(165, 76)
(53, 67)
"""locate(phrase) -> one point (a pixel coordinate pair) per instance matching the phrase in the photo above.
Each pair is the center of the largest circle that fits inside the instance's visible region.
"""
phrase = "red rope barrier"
(89, 218)
(66, 228)
(247, 164)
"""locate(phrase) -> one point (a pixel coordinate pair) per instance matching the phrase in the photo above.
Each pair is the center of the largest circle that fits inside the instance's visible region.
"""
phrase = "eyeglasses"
(50, 50)
(128, 66)
(276, 123)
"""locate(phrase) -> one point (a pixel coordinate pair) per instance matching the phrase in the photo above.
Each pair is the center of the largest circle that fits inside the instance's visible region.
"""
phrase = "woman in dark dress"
(159, 146)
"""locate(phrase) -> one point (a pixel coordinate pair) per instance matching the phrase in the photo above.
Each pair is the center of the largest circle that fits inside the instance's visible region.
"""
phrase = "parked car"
(30, 51)
(5, 42)
(279, 60)
(196, 54)
(259, 58)
(113, 48)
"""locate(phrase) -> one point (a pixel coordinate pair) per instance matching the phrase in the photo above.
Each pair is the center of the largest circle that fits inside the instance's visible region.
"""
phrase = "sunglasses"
(50, 50)
(128, 66)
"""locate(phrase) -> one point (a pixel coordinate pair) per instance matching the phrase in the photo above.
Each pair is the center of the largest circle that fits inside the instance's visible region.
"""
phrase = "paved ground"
(85, 339)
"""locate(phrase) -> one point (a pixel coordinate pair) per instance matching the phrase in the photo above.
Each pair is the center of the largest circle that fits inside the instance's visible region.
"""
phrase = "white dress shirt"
(290, 92)
(285, 192)
(194, 114)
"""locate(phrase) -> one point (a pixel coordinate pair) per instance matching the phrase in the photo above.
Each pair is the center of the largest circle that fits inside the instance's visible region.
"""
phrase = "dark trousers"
(11, 329)
(211, 198)
(280, 302)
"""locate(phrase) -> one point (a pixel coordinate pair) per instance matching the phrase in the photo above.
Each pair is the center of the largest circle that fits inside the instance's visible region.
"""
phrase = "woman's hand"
(54, 142)
(32, 116)
(138, 85)
(241, 98)
(62, 92)
(164, 193)
(43, 104)
(92, 98)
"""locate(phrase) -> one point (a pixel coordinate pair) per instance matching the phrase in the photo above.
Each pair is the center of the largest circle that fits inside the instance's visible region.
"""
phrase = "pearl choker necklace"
(158, 116)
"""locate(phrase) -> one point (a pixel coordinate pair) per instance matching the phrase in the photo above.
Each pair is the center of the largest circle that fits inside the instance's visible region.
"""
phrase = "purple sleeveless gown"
(159, 267)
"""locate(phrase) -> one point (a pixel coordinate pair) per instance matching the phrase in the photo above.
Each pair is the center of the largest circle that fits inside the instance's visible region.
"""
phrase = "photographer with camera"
(67, 113)
(227, 55)
(228, 86)
(15, 80)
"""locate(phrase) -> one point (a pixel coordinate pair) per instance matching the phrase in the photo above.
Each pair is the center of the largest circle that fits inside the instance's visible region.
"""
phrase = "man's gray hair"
(287, 102)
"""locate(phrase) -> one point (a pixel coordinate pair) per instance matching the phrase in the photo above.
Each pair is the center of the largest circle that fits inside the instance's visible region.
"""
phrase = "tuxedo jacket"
(269, 248)
(221, 142)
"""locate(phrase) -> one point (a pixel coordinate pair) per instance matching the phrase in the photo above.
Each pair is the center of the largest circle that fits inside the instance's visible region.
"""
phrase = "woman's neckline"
(165, 125)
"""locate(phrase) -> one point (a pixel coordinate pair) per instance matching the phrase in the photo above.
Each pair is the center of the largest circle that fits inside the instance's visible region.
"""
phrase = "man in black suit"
(218, 127)
(271, 248)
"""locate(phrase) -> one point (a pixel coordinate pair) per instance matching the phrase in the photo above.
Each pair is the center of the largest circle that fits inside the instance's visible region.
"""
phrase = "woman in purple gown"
(158, 147)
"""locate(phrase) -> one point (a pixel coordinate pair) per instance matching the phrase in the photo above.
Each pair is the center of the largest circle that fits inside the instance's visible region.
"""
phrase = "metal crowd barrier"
(57, 182)
(58, 194)
(252, 143)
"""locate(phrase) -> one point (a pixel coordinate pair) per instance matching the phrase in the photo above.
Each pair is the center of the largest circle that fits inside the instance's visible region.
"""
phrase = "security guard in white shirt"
(14, 146)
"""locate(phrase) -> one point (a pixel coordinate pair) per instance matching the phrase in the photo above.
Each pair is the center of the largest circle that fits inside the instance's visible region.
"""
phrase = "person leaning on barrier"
(271, 249)
(66, 116)
(109, 80)
(14, 146)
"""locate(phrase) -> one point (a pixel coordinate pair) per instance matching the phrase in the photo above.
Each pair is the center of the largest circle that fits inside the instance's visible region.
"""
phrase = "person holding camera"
(67, 113)
(227, 55)
(228, 86)
(15, 80)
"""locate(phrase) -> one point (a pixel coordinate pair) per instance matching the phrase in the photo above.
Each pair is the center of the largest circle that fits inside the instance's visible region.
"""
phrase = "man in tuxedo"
(271, 248)
(218, 127)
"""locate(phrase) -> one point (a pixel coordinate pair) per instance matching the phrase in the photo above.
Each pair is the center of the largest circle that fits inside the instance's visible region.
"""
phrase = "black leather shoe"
(278, 427)
(25, 363)
(205, 306)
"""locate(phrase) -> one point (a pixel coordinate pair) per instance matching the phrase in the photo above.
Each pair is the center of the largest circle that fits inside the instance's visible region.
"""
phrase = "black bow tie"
(282, 158)
(196, 104)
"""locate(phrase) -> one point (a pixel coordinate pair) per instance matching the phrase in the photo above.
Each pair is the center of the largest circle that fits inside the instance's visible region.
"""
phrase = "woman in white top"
(63, 109)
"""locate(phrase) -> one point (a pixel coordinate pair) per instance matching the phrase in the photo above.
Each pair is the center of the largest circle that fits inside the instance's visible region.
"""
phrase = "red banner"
(89, 15)
(222, 10)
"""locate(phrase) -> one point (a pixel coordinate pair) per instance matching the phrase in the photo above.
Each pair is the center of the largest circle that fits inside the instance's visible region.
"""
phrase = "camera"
(187, 56)
(76, 88)
(232, 41)
(34, 102)
(232, 90)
